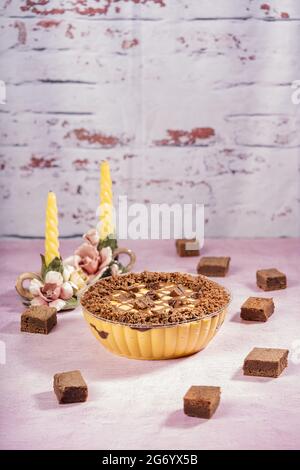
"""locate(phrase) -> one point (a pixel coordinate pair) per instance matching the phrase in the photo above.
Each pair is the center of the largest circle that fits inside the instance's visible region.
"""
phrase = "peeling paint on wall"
(183, 137)
(190, 101)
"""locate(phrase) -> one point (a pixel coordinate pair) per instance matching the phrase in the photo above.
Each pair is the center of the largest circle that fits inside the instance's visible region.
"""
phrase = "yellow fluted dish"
(157, 342)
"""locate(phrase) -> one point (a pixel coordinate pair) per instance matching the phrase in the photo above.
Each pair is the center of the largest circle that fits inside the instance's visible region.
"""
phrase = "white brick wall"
(190, 100)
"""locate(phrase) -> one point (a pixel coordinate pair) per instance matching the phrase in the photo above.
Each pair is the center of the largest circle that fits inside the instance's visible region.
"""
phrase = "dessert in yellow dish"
(155, 315)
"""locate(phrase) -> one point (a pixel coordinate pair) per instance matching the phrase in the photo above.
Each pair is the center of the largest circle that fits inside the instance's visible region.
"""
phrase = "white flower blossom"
(66, 291)
(54, 277)
(35, 286)
(68, 270)
(58, 304)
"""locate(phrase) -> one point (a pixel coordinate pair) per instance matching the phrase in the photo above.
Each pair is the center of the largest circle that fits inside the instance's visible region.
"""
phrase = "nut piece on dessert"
(187, 247)
(213, 266)
(266, 362)
(201, 401)
(38, 319)
(270, 279)
(257, 309)
(70, 387)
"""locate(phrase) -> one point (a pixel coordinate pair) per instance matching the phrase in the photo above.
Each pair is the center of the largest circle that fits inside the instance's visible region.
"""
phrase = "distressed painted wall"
(190, 100)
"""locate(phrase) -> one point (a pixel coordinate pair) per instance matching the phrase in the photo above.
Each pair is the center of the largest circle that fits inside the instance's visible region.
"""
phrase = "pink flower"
(54, 292)
(50, 292)
(72, 261)
(89, 258)
(106, 257)
(92, 237)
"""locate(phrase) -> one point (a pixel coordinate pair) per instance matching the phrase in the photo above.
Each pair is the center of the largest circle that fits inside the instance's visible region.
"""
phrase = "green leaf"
(108, 241)
(55, 265)
(71, 303)
(106, 273)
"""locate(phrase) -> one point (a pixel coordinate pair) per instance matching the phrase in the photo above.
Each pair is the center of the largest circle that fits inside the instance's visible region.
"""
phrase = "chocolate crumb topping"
(195, 297)
(153, 284)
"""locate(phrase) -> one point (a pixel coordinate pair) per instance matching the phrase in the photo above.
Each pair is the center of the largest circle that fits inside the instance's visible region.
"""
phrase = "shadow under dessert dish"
(152, 315)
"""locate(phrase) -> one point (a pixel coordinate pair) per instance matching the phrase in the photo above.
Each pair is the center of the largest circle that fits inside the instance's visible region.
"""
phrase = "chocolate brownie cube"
(270, 279)
(257, 309)
(201, 401)
(187, 247)
(266, 362)
(70, 387)
(213, 266)
(38, 319)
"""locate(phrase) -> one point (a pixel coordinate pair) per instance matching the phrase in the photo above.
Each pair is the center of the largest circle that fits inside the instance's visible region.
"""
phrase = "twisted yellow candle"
(51, 230)
(106, 202)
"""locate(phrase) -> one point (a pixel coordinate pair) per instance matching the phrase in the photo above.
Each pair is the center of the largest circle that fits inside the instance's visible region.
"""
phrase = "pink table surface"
(138, 404)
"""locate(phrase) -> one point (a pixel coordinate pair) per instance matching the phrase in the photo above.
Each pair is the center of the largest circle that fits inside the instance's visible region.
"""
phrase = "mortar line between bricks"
(270, 146)
(177, 20)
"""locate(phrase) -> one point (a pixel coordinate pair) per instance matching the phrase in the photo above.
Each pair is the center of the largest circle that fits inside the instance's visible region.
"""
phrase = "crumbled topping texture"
(159, 298)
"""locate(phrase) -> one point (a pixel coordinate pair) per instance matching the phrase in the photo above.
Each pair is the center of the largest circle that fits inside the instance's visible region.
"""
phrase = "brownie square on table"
(38, 319)
(187, 247)
(266, 362)
(70, 387)
(214, 266)
(201, 401)
(270, 279)
(257, 309)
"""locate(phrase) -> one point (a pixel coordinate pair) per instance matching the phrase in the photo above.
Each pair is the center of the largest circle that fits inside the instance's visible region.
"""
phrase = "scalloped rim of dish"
(149, 326)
